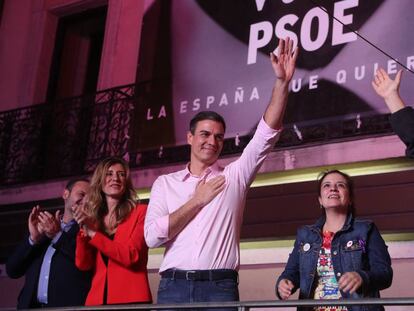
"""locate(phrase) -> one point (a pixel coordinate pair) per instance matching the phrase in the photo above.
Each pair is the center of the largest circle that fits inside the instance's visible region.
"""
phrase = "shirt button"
(338, 274)
(335, 253)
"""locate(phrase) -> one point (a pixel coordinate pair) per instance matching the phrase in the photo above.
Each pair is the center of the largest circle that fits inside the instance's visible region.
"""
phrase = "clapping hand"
(49, 224)
(86, 223)
(35, 231)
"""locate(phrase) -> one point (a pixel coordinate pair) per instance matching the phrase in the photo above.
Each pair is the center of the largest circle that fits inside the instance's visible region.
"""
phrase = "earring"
(321, 206)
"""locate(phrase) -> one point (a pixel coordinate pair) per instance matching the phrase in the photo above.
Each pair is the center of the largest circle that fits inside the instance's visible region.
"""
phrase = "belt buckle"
(189, 273)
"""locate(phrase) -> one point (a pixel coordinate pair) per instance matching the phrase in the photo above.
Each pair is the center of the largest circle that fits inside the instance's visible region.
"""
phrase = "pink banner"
(213, 55)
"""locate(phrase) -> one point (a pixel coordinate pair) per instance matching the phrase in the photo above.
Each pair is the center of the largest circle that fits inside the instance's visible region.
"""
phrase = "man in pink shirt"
(197, 213)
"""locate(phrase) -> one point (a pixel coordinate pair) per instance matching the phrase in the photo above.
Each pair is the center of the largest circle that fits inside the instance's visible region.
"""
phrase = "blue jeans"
(188, 291)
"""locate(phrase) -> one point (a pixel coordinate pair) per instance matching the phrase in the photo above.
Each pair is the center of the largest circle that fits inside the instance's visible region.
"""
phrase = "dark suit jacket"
(402, 123)
(68, 286)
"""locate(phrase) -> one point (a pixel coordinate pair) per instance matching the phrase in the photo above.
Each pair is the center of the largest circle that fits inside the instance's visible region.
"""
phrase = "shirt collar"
(66, 226)
(212, 170)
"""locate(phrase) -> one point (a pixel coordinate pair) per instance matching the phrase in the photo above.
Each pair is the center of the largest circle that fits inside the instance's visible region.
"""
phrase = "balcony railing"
(248, 305)
(65, 138)
(69, 137)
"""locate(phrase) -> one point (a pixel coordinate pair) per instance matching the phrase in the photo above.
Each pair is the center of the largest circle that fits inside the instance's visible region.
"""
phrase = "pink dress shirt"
(211, 239)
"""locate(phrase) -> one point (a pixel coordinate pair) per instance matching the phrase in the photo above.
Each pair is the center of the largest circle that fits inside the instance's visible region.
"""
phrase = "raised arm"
(388, 89)
(283, 65)
(267, 133)
(402, 117)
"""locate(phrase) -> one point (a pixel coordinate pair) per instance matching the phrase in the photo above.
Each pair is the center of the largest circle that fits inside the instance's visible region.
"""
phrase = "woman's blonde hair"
(96, 204)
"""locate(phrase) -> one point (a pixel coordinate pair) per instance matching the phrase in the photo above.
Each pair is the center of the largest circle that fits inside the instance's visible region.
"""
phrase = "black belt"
(200, 275)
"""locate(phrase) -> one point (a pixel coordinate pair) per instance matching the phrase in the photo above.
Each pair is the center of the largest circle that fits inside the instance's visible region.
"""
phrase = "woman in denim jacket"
(339, 256)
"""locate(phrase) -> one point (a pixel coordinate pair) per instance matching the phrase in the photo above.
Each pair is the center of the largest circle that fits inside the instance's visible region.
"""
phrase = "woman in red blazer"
(111, 240)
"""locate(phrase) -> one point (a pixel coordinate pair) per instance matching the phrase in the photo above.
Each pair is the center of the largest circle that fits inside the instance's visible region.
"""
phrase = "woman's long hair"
(96, 204)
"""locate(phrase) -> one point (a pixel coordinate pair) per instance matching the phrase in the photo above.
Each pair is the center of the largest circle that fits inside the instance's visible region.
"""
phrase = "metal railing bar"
(246, 305)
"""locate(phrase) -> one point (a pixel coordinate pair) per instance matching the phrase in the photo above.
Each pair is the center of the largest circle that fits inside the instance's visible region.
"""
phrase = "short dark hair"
(71, 183)
(349, 182)
(206, 115)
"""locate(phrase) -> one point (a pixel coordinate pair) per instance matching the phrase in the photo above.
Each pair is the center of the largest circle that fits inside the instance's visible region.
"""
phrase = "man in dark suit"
(47, 256)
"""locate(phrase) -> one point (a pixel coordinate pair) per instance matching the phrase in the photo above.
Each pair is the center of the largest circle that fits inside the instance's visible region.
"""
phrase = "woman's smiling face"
(334, 192)
(115, 181)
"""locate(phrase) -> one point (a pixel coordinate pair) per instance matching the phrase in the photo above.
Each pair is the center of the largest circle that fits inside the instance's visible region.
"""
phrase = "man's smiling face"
(206, 142)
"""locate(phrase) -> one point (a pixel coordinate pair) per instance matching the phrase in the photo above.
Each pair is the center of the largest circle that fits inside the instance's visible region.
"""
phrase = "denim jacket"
(358, 247)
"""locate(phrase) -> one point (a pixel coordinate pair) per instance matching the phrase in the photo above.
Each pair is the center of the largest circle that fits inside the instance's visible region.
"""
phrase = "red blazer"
(126, 274)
